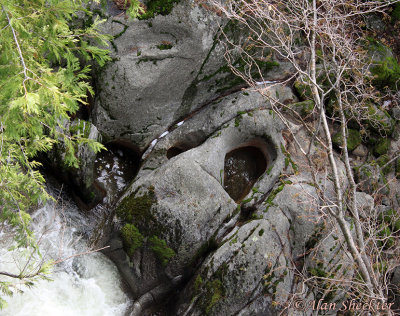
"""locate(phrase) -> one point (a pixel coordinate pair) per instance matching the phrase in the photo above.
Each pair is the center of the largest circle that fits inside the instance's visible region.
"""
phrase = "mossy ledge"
(212, 290)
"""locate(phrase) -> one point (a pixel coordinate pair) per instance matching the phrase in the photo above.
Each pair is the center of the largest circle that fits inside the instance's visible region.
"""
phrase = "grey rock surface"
(163, 69)
(251, 273)
(242, 270)
(214, 119)
(360, 151)
(143, 90)
(191, 207)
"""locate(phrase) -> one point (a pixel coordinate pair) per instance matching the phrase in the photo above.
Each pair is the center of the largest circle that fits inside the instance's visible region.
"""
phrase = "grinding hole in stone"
(243, 166)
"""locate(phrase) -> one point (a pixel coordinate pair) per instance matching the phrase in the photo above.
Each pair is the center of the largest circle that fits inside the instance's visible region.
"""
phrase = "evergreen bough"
(44, 70)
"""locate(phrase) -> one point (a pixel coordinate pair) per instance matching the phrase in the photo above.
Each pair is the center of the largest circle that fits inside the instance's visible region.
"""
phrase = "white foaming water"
(85, 285)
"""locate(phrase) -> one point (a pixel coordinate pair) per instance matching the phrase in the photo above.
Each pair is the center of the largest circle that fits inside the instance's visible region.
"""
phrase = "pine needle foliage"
(44, 70)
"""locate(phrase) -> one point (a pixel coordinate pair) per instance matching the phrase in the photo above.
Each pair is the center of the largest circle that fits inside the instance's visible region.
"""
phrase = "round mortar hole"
(243, 166)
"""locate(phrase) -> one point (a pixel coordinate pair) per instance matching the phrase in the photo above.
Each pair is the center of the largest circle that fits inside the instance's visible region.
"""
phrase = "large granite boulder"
(163, 68)
(253, 270)
(175, 214)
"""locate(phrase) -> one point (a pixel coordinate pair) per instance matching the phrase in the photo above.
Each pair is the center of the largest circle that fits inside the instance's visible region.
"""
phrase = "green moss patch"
(379, 120)
(80, 127)
(395, 15)
(198, 283)
(382, 161)
(303, 90)
(382, 147)
(391, 218)
(353, 139)
(137, 208)
(385, 237)
(216, 292)
(385, 69)
(304, 108)
(155, 7)
(160, 248)
(132, 238)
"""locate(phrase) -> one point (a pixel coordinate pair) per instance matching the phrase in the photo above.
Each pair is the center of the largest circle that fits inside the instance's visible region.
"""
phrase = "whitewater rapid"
(85, 285)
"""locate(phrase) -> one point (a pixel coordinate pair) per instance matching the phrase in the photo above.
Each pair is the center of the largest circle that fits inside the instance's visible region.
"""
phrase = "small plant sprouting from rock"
(164, 45)
(197, 283)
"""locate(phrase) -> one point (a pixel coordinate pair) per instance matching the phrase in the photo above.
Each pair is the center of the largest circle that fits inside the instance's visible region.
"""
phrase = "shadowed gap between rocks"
(116, 167)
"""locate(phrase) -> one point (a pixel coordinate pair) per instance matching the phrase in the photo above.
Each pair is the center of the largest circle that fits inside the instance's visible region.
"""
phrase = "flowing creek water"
(84, 285)
(90, 284)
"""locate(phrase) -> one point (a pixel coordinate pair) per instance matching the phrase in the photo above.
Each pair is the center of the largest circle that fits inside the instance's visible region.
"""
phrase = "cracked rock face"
(148, 85)
(253, 270)
(189, 207)
(163, 69)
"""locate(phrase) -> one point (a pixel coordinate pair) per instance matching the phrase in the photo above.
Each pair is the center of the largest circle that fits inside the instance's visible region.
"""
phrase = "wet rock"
(115, 168)
(81, 177)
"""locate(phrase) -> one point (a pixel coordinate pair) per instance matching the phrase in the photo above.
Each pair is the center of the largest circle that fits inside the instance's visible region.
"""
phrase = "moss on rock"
(385, 237)
(137, 208)
(155, 7)
(303, 90)
(197, 283)
(131, 238)
(382, 161)
(395, 15)
(304, 108)
(162, 251)
(391, 218)
(213, 292)
(379, 120)
(353, 139)
(385, 68)
(382, 147)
